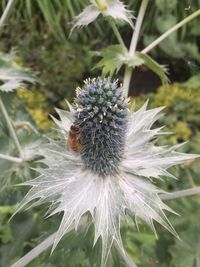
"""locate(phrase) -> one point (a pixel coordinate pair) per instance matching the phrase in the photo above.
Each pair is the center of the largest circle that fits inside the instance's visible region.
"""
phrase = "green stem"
(134, 40)
(44, 245)
(116, 32)
(12, 131)
(6, 13)
(181, 193)
(10, 158)
(49, 241)
(31, 255)
(170, 31)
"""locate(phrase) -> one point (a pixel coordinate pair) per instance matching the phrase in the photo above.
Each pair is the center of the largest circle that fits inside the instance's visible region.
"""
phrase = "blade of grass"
(5, 16)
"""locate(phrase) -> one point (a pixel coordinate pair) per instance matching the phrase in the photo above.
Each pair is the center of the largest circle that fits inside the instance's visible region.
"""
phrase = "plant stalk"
(12, 131)
(170, 31)
(10, 5)
(181, 193)
(35, 252)
(134, 40)
(44, 245)
(10, 158)
(116, 32)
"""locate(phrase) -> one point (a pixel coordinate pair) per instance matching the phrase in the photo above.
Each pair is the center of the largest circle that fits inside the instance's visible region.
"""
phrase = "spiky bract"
(108, 8)
(74, 184)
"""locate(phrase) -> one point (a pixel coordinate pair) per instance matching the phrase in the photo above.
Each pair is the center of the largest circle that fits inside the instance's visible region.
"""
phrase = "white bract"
(107, 187)
(12, 75)
(113, 8)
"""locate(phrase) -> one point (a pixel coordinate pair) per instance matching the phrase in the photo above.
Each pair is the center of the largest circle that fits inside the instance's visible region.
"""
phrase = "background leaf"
(112, 59)
(154, 66)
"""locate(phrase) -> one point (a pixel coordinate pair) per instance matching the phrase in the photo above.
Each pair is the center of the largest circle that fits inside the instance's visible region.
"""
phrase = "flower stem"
(116, 32)
(134, 40)
(170, 31)
(31, 255)
(10, 158)
(10, 5)
(181, 193)
(12, 131)
(35, 252)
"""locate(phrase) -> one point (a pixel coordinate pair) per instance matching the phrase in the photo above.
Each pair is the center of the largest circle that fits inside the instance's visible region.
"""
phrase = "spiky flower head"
(115, 9)
(101, 114)
(109, 177)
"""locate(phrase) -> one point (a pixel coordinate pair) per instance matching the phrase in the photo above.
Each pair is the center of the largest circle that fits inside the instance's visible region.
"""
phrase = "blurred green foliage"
(61, 66)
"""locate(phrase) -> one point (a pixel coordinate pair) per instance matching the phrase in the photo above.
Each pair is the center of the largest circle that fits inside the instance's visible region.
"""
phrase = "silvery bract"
(110, 179)
(113, 8)
(12, 75)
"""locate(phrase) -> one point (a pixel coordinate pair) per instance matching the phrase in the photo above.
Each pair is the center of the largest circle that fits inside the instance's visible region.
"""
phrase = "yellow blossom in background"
(37, 106)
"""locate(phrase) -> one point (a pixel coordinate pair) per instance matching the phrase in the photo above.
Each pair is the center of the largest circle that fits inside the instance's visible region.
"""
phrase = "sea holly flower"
(103, 165)
(108, 8)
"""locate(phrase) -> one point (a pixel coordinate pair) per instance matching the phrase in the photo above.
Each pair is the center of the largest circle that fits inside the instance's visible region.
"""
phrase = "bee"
(74, 138)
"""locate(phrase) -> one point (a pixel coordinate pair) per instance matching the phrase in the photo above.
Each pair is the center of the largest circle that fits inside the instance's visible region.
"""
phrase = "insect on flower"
(74, 138)
(110, 179)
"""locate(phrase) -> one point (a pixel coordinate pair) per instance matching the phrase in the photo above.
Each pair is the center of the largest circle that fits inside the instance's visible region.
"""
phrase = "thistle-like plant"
(107, 8)
(108, 179)
(109, 176)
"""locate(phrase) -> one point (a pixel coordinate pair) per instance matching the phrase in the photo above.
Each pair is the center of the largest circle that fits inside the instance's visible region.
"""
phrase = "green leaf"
(5, 234)
(186, 252)
(21, 231)
(114, 56)
(112, 59)
(9, 209)
(193, 82)
(134, 61)
(154, 66)
(165, 22)
(166, 5)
